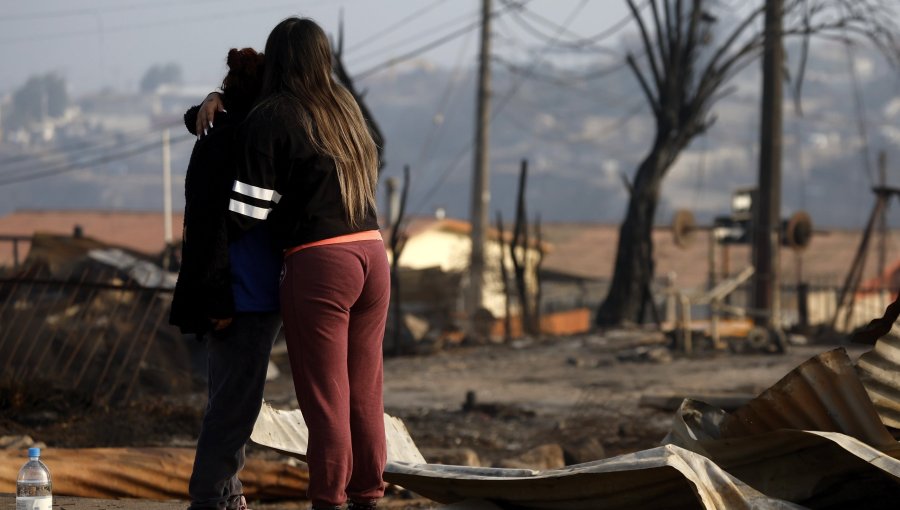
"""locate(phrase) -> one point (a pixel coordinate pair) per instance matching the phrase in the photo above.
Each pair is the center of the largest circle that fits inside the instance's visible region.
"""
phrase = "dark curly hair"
(243, 82)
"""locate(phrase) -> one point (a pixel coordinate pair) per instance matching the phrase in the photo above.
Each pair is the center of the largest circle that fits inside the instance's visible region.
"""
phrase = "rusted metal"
(85, 335)
(148, 473)
(879, 370)
(24, 329)
(140, 361)
(123, 362)
(94, 348)
(824, 394)
(90, 345)
(28, 369)
(84, 328)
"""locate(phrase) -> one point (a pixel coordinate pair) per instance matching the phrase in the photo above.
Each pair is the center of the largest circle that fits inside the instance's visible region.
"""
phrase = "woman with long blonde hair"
(309, 170)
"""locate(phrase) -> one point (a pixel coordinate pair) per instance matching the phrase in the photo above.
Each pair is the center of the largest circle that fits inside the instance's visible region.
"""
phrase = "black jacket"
(203, 290)
(283, 179)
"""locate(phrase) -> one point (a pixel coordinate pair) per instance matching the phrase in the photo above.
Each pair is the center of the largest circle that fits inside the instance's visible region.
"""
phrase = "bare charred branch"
(648, 45)
(397, 244)
(654, 103)
(682, 92)
(340, 70)
(661, 35)
(504, 275)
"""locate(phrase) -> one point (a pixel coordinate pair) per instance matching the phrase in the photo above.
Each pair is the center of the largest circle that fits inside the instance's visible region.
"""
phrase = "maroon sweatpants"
(334, 302)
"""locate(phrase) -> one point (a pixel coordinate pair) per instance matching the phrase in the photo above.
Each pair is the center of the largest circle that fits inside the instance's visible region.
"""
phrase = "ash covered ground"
(529, 402)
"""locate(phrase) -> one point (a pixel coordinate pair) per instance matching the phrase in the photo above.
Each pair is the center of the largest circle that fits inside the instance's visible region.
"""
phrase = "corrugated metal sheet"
(879, 370)
(286, 431)
(758, 457)
(664, 477)
(824, 394)
(148, 473)
(810, 468)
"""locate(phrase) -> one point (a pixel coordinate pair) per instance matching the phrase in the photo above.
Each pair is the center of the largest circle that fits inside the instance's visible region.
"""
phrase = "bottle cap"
(34, 452)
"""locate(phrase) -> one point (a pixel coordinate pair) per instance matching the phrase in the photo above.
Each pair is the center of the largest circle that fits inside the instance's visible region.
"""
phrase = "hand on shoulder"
(208, 108)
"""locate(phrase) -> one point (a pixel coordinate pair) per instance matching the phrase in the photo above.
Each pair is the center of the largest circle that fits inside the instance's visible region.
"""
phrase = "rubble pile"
(82, 315)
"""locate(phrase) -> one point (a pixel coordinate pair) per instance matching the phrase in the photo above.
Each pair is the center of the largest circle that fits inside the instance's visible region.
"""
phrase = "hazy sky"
(97, 43)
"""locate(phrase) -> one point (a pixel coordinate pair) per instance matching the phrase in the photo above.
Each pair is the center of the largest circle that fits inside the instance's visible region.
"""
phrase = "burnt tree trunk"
(518, 250)
(397, 243)
(504, 275)
(629, 294)
(539, 283)
(682, 71)
(343, 76)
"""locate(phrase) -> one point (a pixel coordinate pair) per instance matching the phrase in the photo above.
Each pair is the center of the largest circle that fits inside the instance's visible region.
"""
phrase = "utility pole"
(481, 195)
(767, 213)
(167, 187)
(882, 219)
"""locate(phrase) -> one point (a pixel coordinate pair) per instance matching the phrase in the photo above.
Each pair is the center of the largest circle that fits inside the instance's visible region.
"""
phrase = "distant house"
(442, 247)
(575, 272)
(578, 270)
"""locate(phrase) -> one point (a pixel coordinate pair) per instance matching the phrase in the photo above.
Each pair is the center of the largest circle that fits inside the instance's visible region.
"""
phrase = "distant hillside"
(578, 135)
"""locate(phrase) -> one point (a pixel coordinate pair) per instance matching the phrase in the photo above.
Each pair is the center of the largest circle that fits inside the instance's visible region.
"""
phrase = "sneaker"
(240, 503)
(367, 505)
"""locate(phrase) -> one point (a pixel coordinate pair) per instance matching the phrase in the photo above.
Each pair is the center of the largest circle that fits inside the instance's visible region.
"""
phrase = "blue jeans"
(238, 360)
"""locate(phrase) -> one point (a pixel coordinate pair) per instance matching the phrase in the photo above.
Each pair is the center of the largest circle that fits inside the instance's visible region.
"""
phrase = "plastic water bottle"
(33, 486)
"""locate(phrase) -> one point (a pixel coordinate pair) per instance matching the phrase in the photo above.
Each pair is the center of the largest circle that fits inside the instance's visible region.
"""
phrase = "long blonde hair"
(299, 65)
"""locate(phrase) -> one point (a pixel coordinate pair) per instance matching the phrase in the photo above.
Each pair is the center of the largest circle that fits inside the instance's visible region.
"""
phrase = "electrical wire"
(467, 19)
(90, 11)
(860, 113)
(149, 24)
(577, 41)
(537, 61)
(82, 146)
(415, 53)
(496, 111)
(517, 15)
(443, 104)
(401, 22)
(426, 47)
(61, 169)
(564, 80)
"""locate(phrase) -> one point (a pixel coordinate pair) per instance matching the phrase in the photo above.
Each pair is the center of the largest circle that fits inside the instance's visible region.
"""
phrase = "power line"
(444, 102)
(401, 22)
(497, 109)
(426, 47)
(579, 41)
(61, 169)
(149, 24)
(418, 36)
(517, 16)
(416, 52)
(860, 113)
(537, 60)
(90, 11)
(83, 146)
(565, 80)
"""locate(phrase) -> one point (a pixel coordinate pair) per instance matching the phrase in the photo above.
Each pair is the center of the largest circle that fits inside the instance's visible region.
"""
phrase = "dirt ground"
(532, 392)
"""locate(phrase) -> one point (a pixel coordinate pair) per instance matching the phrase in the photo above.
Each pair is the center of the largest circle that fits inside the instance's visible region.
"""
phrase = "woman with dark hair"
(227, 290)
(309, 169)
